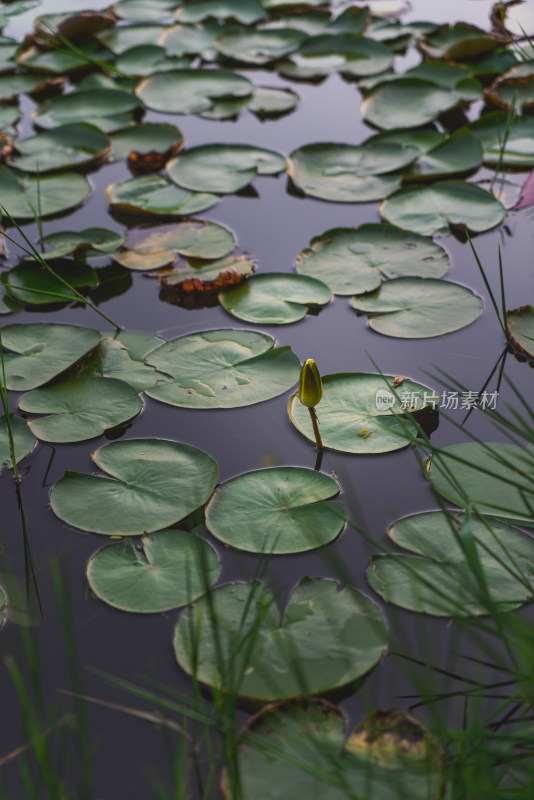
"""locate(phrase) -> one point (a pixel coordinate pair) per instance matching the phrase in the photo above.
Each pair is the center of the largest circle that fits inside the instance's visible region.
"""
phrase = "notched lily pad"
(505, 141)
(26, 197)
(191, 91)
(521, 329)
(348, 53)
(208, 277)
(147, 146)
(123, 358)
(259, 46)
(153, 194)
(271, 101)
(23, 439)
(106, 109)
(514, 91)
(277, 298)
(32, 284)
(84, 243)
(459, 42)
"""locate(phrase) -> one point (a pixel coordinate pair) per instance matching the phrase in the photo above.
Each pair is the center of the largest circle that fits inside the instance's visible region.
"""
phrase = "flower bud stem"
(315, 424)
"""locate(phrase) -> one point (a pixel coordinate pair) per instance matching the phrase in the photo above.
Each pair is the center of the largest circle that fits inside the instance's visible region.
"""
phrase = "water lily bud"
(310, 384)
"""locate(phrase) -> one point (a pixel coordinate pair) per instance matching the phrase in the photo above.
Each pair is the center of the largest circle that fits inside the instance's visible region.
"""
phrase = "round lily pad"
(432, 209)
(114, 359)
(89, 241)
(223, 369)
(351, 260)
(28, 197)
(23, 439)
(293, 747)
(154, 483)
(119, 39)
(147, 59)
(259, 46)
(504, 140)
(192, 40)
(521, 329)
(270, 101)
(359, 414)
(325, 639)
(144, 10)
(33, 284)
(245, 11)
(42, 350)
(415, 308)
(171, 569)
(278, 510)
(80, 409)
(444, 582)
(348, 53)
(496, 479)
(346, 173)
(223, 168)
(107, 109)
(191, 91)
(458, 154)
(159, 137)
(153, 194)
(77, 144)
(278, 298)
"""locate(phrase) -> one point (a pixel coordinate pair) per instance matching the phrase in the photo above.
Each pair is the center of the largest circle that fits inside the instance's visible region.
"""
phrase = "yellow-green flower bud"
(310, 384)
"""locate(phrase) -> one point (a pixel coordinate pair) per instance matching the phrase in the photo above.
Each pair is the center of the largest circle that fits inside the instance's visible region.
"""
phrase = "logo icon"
(384, 400)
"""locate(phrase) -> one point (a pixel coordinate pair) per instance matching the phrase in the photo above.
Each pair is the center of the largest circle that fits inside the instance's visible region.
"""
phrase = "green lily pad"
(496, 479)
(74, 26)
(347, 53)
(144, 10)
(444, 582)
(119, 39)
(154, 483)
(244, 11)
(430, 210)
(192, 40)
(172, 569)
(223, 369)
(83, 243)
(447, 76)
(358, 414)
(413, 101)
(77, 144)
(514, 91)
(80, 409)
(225, 109)
(106, 109)
(160, 246)
(270, 101)
(416, 308)
(459, 42)
(9, 116)
(114, 359)
(153, 194)
(325, 639)
(312, 22)
(259, 46)
(41, 351)
(205, 276)
(8, 305)
(352, 260)
(12, 85)
(27, 197)
(278, 298)
(458, 154)
(32, 284)
(23, 439)
(8, 49)
(222, 168)
(278, 510)
(147, 59)
(60, 61)
(191, 91)
(148, 137)
(521, 329)
(505, 141)
(344, 173)
(291, 748)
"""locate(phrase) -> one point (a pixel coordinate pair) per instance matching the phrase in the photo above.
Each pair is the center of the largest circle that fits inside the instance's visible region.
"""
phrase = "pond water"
(273, 225)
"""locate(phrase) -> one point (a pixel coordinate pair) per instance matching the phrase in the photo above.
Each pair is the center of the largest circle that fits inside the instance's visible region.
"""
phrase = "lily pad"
(106, 109)
(148, 137)
(244, 11)
(515, 18)
(514, 91)
(29, 197)
(259, 46)
(192, 40)
(32, 284)
(8, 305)
(119, 39)
(348, 53)
(144, 10)
(459, 154)
(9, 116)
(77, 144)
(292, 747)
(444, 582)
(430, 210)
(278, 510)
(209, 276)
(352, 260)
(359, 414)
(325, 639)
(270, 101)
(344, 173)
(41, 351)
(114, 359)
(80, 409)
(505, 141)
(417, 308)
(154, 483)
(223, 168)
(171, 569)
(191, 91)
(278, 298)
(459, 42)
(160, 246)
(223, 369)
(153, 194)
(521, 329)
(23, 439)
(60, 61)
(12, 85)
(495, 479)
(89, 241)
(147, 59)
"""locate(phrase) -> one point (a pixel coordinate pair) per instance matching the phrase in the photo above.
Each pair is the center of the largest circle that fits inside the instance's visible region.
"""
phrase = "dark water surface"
(273, 227)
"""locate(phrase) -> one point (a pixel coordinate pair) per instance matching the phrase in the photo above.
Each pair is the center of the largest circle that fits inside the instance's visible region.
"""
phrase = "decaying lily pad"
(521, 329)
(203, 277)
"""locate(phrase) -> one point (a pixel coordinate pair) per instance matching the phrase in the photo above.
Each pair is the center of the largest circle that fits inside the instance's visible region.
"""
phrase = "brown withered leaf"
(153, 161)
